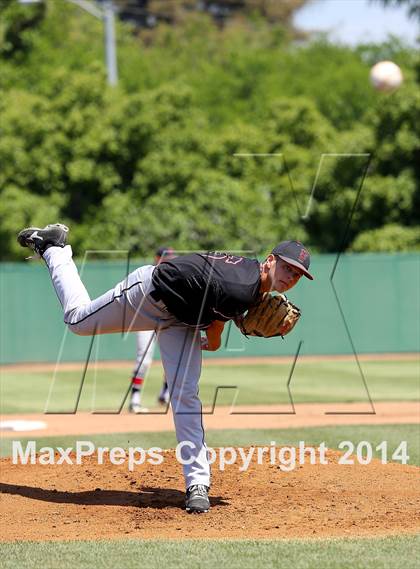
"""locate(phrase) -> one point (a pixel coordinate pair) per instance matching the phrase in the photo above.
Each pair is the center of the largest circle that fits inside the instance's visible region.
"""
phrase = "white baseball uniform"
(129, 307)
(146, 342)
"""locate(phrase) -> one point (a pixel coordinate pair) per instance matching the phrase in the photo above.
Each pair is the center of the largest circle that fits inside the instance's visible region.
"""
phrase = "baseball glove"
(270, 316)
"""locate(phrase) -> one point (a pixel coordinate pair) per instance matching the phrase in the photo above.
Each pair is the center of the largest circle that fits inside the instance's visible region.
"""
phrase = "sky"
(357, 21)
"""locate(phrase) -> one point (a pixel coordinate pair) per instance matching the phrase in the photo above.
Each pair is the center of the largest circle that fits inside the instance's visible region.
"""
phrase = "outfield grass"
(392, 552)
(326, 381)
(331, 435)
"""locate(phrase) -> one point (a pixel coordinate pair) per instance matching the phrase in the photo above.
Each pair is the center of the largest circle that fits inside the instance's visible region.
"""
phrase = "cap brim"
(298, 266)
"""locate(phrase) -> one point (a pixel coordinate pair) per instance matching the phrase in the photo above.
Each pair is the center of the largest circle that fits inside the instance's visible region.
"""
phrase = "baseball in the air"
(386, 76)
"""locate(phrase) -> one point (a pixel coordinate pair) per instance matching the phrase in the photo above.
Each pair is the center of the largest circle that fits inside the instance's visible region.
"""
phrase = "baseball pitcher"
(178, 299)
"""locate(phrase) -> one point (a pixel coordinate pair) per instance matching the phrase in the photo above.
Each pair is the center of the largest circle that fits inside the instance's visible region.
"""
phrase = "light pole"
(110, 43)
(107, 15)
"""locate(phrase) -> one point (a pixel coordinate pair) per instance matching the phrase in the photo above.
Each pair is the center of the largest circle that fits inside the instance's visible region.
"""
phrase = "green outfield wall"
(378, 311)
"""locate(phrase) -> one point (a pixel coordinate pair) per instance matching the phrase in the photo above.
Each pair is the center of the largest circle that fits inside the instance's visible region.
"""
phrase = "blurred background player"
(146, 342)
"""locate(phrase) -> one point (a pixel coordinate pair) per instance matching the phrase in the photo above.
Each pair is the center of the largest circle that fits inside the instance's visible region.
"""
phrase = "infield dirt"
(91, 501)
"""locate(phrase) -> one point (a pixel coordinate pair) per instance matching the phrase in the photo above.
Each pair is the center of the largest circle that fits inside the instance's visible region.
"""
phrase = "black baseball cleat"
(197, 499)
(39, 240)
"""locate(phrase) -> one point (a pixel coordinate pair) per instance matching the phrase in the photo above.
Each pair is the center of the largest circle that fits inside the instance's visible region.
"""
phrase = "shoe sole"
(20, 238)
(196, 511)
(25, 243)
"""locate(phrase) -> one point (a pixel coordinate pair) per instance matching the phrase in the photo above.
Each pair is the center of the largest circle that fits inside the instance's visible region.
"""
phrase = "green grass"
(329, 381)
(391, 552)
(374, 434)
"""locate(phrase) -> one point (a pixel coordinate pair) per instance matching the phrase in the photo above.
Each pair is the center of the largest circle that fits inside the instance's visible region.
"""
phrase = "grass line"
(323, 381)
(399, 552)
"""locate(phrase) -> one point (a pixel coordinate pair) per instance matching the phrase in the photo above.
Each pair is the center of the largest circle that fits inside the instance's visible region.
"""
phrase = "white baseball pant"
(129, 307)
(146, 341)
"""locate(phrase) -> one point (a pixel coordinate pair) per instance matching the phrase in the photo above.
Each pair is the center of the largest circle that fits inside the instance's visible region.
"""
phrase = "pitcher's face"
(283, 276)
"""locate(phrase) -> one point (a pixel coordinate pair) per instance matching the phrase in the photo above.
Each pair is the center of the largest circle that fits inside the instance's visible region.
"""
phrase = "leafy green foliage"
(170, 155)
(413, 6)
(16, 25)
(391, 237)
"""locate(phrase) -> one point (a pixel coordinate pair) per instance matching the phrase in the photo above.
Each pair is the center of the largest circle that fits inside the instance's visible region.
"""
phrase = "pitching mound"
(94, 501)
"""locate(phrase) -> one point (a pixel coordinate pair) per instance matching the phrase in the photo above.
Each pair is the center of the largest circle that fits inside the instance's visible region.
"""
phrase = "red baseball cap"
(295, 254)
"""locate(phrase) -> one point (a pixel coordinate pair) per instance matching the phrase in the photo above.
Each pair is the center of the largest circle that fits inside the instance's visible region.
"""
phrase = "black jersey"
(199, 289)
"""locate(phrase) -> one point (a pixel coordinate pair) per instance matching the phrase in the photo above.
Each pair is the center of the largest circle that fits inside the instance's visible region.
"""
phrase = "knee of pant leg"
(185, 398)
(80, 330)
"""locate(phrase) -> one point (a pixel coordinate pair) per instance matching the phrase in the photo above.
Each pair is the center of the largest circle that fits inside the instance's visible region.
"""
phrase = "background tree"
(156, 159)
(17, 21)
(149, 13)
(413, 6)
